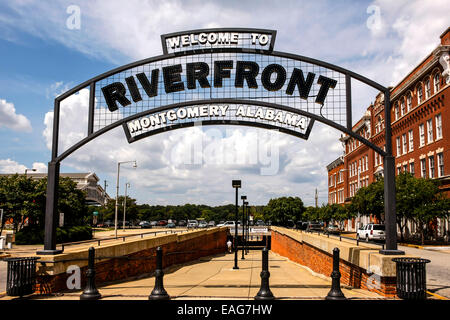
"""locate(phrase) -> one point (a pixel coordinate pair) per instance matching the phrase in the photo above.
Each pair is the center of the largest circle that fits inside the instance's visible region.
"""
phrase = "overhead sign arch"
(229, 76)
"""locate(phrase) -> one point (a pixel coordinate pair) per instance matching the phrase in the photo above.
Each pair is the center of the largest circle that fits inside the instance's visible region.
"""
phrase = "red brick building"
(420, 122)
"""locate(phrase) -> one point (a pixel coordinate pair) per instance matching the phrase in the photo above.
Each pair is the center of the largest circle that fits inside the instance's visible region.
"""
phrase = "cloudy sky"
(44, 52)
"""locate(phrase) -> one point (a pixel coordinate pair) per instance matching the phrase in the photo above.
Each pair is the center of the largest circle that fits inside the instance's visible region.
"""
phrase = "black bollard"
(264, 292)
(335, 292)
(158, 292)
(90, 292)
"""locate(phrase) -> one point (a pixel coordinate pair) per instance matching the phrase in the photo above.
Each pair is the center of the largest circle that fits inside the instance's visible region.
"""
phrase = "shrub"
(35, 234)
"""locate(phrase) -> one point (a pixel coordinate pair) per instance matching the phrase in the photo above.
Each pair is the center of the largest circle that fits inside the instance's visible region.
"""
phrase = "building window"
(399, 170)
(430, 130)
(367, 162)
(427, 89)
(411, 167)
(419, 94)
(411, 140)
(438, 126)
(422, 134)
(423, 168)
(436, 82)
(399, 150)
(440, 158)
(431, 162)
(405, 144)
(409, 101)
(396, 111)
(376, 159)
(402, 107)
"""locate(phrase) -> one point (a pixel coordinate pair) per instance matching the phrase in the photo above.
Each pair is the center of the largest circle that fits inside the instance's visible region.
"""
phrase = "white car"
(192, 224)
(371, 231)
(227, 224)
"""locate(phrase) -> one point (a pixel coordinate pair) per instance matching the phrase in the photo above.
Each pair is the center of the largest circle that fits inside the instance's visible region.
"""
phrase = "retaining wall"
(137, 257)
(361, 266)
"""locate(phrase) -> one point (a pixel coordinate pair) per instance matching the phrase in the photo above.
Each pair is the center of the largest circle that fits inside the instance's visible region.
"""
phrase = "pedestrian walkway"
(214, 278)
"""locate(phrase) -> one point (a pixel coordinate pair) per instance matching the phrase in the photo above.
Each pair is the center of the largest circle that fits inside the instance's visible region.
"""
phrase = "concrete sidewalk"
(214, 278)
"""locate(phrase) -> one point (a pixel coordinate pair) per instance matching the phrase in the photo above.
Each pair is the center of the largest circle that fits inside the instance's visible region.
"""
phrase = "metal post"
(389, 185)
(90, 292)
(51, 208)
(158, 292)
(243, 225)
(235, 234)
(335, 292)
(117, 200)
(264, 292)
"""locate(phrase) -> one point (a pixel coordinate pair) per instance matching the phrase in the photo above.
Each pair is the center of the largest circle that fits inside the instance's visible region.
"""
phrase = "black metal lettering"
(297, 79)
(115, 92)
(134, 91)
(325, 84)
(172, 78)
(151, 88)
(221, 71)
(267, 74)
(247, 70)
(197, 71)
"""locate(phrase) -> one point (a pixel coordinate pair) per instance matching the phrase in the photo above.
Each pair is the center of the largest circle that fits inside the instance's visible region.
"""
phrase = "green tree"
(280, 210)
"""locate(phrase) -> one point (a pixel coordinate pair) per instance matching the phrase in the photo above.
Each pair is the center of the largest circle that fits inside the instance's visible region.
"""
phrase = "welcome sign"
(219, 76)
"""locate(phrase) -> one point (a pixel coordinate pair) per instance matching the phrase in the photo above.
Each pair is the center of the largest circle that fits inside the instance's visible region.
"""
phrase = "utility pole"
(317, 198)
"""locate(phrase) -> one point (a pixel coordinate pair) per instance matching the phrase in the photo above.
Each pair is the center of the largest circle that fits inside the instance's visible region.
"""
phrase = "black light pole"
(246, 227)
(236, 184)
(243, 223)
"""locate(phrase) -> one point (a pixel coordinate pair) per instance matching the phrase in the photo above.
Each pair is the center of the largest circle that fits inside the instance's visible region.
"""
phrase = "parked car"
(192, 224)
(182, 223)
(314, 226)
(227, 224)
(211, 224)
(109, 224)
(171, 225)
(162, 222)
(259, 223)
(332, 229)
(154, 223)
(371, 231)
(203, 224)
(145, 224)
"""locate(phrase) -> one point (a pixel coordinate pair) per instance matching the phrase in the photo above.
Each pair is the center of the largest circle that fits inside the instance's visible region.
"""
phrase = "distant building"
(88, 182)
(420, 122)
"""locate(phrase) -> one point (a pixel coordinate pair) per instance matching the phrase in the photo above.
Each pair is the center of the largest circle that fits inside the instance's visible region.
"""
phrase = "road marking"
(437, 296)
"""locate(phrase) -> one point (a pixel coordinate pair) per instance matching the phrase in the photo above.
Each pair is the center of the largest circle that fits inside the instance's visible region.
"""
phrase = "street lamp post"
(117, 193)
(236, 184)
(245, 227)
(127, 185)
(243, 223)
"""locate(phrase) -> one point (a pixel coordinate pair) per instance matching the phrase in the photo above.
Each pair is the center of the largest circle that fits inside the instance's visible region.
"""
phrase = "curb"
(411, 245)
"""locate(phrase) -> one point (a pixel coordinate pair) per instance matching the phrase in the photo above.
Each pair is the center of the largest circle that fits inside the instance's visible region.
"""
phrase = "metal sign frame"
(54, 164)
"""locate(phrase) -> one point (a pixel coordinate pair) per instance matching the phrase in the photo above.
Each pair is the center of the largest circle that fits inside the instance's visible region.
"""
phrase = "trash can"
(411, 278)
(21, 276)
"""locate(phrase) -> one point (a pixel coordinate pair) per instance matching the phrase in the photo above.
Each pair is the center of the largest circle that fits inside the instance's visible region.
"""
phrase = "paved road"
(438, 270)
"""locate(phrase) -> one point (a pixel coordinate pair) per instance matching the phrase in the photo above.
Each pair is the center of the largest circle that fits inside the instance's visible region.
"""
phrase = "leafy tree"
(280, 210)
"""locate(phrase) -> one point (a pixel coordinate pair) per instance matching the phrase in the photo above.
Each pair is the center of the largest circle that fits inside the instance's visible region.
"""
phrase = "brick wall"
(322, 262)
(175, 252)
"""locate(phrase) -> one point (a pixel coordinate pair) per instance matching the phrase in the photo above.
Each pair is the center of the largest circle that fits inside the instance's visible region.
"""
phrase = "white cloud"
(10, 119)
(335, 32)
(11, 166)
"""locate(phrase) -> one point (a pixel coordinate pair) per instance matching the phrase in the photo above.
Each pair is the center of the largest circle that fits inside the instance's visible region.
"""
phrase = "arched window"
(402, 107)
(419, 94)
(436, 80)
(408, 101)
(396, 111)
(427, 89)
